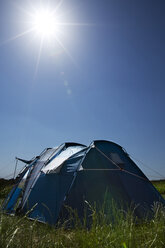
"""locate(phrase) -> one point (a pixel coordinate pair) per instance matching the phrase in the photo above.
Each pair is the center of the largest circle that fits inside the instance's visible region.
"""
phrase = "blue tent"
(73, 174)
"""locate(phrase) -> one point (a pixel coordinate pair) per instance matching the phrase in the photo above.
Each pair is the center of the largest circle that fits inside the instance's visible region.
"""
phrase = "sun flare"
(44, 23)
(50, 26)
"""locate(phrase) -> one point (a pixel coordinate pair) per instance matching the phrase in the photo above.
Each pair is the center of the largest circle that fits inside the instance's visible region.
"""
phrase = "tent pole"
(15, 168)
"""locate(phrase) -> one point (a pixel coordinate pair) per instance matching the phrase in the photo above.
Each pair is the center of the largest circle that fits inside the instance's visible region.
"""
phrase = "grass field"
(160, 186)
(17, 232)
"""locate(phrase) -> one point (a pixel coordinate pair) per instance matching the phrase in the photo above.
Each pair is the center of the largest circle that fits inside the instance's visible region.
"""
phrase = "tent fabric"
(58, 160)
(72, 175)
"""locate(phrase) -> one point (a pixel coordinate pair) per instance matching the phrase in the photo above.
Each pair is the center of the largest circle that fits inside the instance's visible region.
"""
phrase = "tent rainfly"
(72, 175)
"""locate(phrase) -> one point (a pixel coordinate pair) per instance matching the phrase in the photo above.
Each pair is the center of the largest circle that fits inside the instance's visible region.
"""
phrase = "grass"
(126, 231)
(160, 186)
(5, 187)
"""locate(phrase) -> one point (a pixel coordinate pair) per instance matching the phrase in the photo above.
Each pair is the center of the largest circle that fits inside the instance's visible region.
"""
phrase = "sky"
(101, 76)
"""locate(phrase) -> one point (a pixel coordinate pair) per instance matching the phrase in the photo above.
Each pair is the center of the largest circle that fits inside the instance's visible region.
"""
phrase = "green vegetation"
(5, 187)
(124, 232)
(160, 186)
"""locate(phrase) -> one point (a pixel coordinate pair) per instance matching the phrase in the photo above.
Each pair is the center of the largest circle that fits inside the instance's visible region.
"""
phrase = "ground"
(18, 232)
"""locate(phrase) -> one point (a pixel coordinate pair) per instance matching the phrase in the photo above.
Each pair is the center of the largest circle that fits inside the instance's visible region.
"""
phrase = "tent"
(73, 175)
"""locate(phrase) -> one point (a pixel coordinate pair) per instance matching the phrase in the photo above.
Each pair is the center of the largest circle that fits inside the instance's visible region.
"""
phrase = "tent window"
(117, 160)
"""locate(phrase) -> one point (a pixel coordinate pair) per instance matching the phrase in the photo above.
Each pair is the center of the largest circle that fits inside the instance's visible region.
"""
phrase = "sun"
(50, 26)
(44, 23)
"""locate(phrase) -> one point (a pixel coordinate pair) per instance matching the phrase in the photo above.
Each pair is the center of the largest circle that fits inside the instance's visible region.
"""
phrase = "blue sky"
(105, 80)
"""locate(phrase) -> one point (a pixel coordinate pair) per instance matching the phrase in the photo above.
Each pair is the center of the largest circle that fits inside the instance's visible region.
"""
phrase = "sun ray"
(66, 51)
(74, 24)
(57, 7)
(18, 36)
(39, 56)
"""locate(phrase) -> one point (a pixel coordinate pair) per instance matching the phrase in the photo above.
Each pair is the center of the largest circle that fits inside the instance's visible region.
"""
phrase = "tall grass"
(124, 232)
